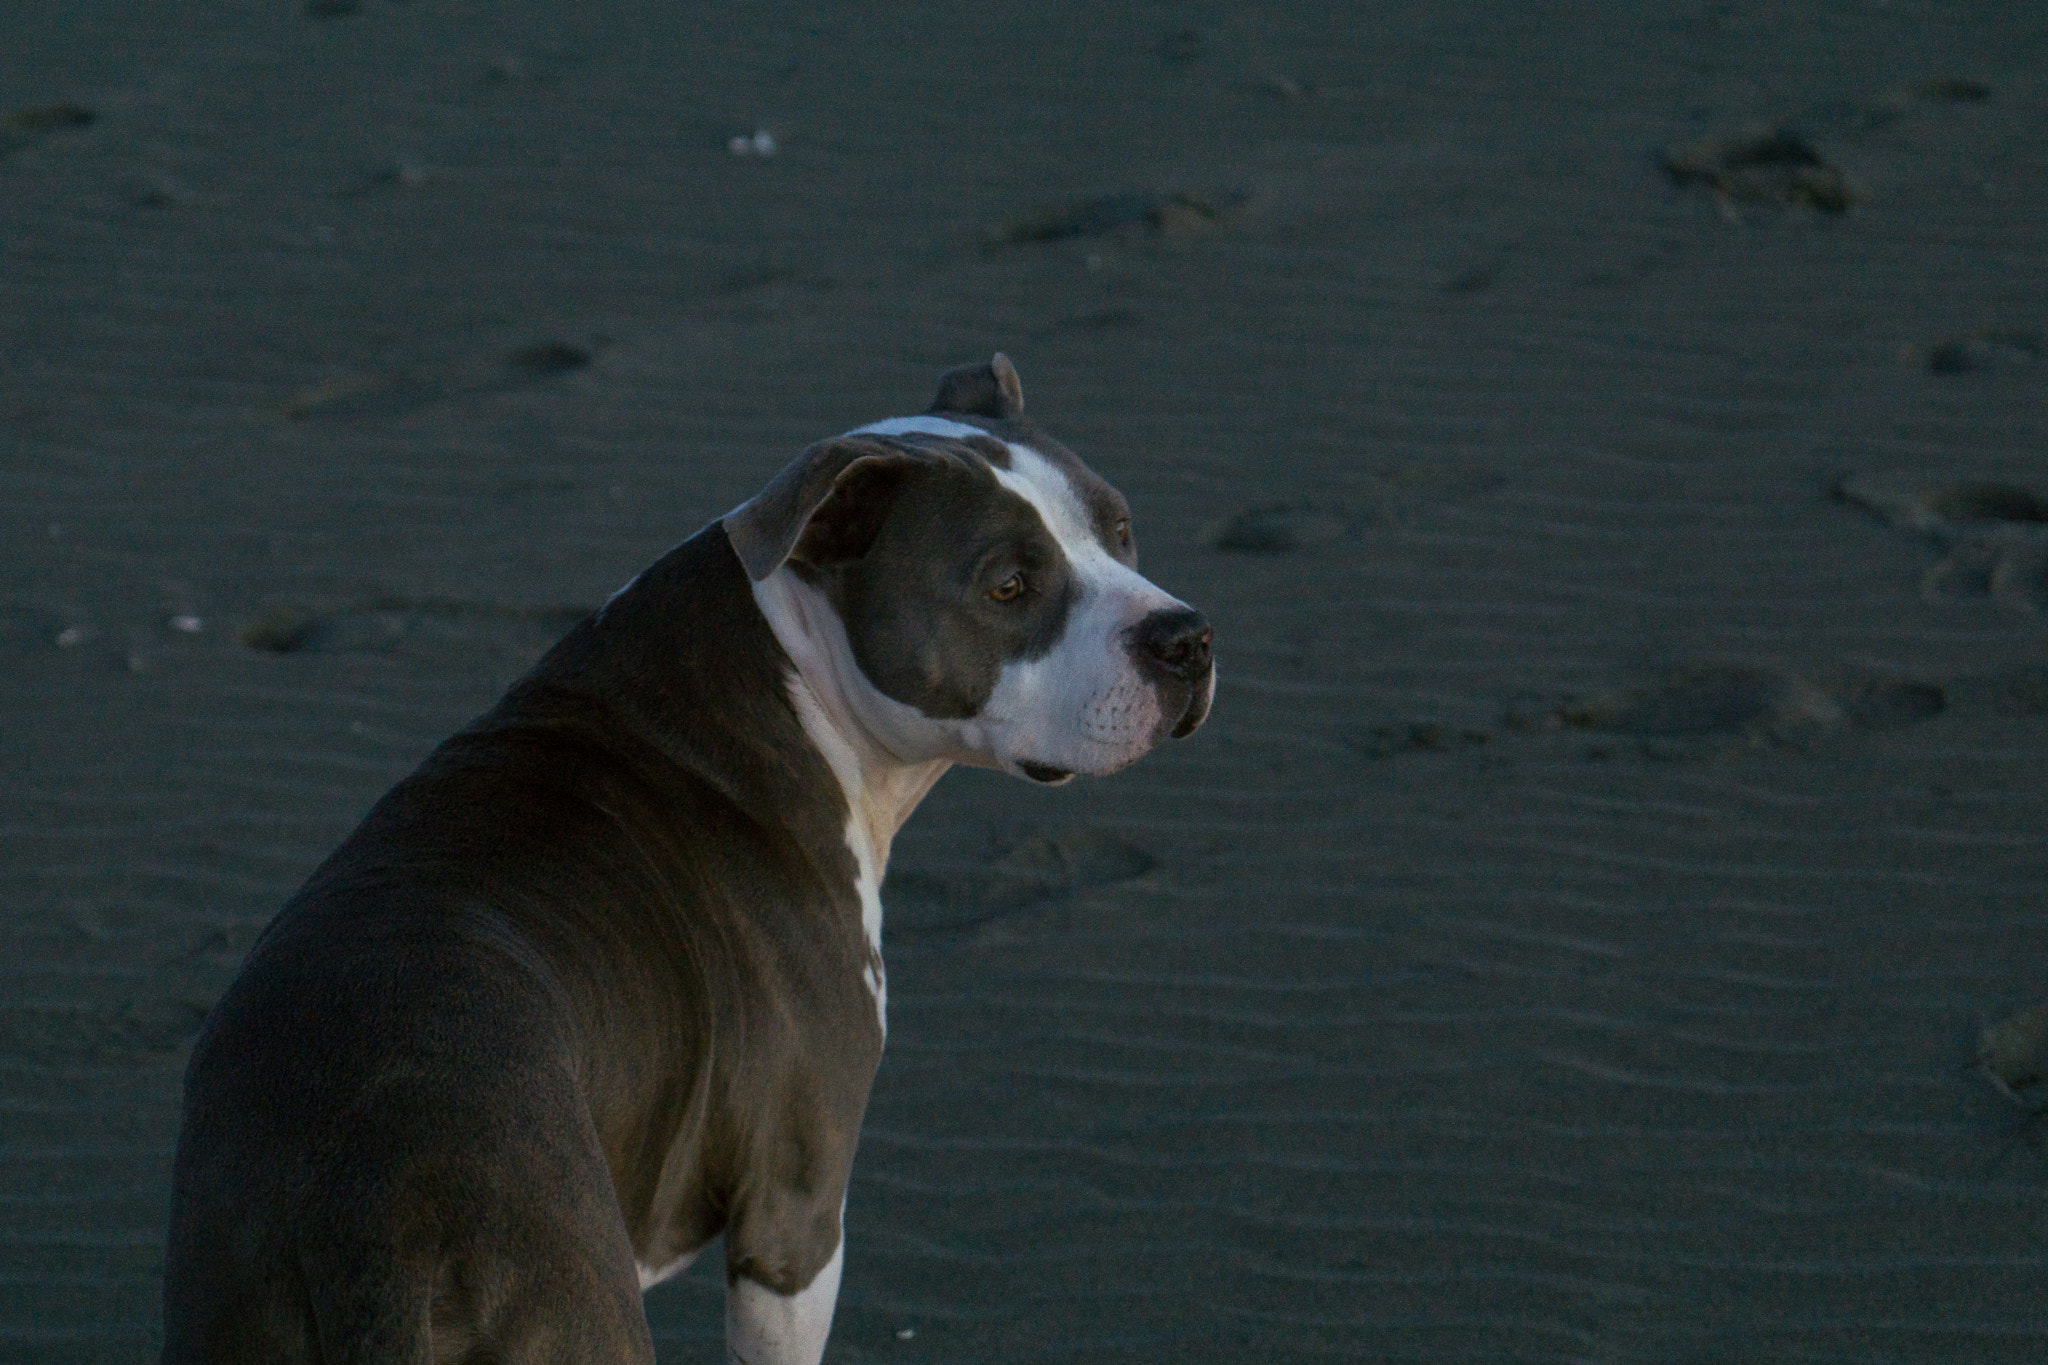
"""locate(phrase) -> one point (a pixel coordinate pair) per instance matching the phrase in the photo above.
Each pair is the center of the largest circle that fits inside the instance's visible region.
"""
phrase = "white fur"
(1082, 705)
(651, 1276)
(929, 426)
(883, 758)
(763, 1327)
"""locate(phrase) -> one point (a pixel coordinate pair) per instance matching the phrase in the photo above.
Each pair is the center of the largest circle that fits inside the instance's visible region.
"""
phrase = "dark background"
(1571, 938)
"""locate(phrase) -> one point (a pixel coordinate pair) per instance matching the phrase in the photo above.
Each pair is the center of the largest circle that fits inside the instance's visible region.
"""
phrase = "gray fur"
(583, 991)
(915, 598)
(991, 390)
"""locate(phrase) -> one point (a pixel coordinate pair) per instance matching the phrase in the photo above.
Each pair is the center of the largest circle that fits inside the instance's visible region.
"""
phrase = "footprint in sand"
(47, 118)
(1131, 214)
(2013, 1054)
(81, 1032)
(1703, 710)
(24, 126)
(1275, 528)
(2015, 692)
(390, 393)
(1949, 90)
(399, 173)
(413, 627)
(1096, 320)
(1761, 165)
(1989, 350)
(1182, 46)
(1041, 871)
(1870, 114)
(1992, 536)
(1377, 499)
(1417, 737)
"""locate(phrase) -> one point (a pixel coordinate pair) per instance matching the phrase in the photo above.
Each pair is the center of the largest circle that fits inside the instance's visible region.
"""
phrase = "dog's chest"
(651, 1276)
(868, 885)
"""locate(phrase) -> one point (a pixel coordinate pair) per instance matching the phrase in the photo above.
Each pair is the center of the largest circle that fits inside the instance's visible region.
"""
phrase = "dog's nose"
(1175, 641)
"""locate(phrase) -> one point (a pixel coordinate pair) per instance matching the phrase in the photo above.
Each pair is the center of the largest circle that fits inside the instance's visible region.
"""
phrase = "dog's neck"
(882, 783)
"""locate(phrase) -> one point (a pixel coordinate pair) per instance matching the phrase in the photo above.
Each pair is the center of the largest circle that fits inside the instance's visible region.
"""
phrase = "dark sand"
(1571, 937)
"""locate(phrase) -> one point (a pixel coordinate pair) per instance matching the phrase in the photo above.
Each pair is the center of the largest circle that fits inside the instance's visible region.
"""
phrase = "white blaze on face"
(1083, 705)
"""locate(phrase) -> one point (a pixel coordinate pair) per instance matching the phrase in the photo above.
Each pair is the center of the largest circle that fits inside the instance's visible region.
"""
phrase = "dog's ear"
(826, 505)
(991, 390)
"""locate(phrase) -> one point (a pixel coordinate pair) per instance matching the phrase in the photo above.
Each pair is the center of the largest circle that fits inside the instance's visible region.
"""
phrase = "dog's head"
(971, 589)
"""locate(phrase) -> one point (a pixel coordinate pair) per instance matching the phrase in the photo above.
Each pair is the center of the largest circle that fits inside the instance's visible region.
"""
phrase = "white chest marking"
(860, 834)
(651, 1276)
(881, 787)
(870, 887)
(763, 1327)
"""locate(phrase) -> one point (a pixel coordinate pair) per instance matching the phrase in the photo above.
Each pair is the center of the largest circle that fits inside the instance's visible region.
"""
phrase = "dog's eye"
(1123, 534)
(1009, 590)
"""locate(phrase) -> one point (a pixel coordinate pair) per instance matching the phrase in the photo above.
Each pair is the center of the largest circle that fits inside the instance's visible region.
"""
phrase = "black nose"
(1175, 642)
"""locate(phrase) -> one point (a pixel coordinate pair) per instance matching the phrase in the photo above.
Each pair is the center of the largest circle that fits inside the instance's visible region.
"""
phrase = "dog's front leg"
(763, 1327)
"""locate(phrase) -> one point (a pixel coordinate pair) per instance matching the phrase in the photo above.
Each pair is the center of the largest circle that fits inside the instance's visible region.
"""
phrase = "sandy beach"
(1608, 438)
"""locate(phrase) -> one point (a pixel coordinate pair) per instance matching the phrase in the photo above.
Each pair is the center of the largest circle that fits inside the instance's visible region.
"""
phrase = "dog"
(603, 979)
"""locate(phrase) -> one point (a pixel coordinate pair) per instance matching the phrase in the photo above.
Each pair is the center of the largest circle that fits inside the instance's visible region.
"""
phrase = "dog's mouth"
(1044, 772)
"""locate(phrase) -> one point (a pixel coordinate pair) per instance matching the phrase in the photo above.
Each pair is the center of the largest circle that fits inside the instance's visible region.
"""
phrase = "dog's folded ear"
(826, 506)
(991, 390)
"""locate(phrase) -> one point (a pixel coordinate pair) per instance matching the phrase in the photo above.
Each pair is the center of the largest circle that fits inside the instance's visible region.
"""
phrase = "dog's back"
(589, 890)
